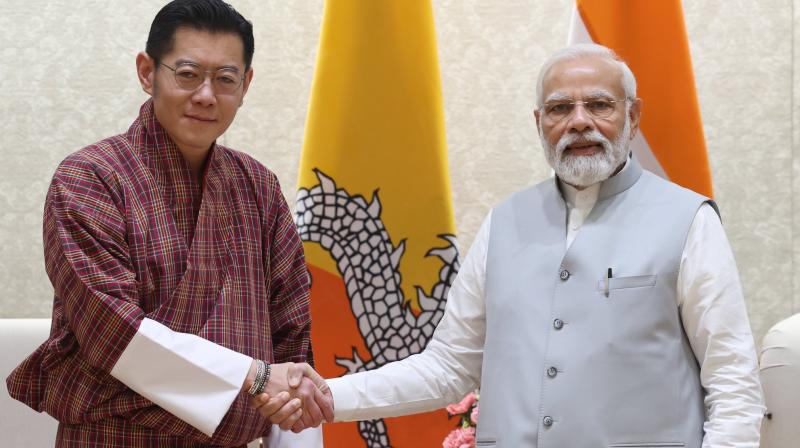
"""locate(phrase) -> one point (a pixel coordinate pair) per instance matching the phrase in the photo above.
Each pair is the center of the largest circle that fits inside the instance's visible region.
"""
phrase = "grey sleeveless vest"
(567, 364)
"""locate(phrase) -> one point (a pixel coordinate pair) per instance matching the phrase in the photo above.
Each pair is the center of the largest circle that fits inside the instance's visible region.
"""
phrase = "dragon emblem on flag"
(351, 230)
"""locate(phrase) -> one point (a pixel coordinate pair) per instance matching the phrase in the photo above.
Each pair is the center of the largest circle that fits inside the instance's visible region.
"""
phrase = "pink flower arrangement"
(467, 411)
(460, 438)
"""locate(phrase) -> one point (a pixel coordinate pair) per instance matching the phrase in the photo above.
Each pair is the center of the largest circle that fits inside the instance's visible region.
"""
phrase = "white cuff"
(345, 399)
(192, 378)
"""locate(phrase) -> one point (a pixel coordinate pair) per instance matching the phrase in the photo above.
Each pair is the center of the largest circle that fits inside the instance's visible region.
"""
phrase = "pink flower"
(474, 415)
(463, 405)
(460, 438)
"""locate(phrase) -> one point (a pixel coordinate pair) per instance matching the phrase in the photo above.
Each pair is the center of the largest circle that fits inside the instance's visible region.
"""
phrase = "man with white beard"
(601, 308)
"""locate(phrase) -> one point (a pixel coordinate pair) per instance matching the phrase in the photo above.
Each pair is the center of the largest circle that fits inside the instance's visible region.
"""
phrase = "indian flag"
(651, 37)
(373, 205)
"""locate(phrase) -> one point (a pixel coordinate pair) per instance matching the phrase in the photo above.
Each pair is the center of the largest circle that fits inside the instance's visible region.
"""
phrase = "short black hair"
(214, 16)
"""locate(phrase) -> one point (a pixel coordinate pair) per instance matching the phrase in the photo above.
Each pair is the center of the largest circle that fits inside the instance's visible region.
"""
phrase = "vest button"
(564, 274)
(552, 372)
(558, 324)
(547, 421)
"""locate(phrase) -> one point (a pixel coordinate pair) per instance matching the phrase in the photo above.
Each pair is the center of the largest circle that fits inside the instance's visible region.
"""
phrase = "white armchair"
(780, 378)
(20, 425)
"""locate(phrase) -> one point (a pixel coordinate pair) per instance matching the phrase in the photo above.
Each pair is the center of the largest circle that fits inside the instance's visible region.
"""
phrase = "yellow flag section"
(651, 37)
(373, 205)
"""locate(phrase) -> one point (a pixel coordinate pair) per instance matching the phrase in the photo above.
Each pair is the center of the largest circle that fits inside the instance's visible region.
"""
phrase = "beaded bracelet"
(260, 381)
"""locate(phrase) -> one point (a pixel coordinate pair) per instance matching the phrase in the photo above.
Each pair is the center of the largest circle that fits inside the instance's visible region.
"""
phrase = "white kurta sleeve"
(448, 368)
(716, 323)
(192, 378)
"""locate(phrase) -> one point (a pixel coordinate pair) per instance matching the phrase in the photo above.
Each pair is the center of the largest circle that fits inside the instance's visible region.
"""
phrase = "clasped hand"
(296, 397)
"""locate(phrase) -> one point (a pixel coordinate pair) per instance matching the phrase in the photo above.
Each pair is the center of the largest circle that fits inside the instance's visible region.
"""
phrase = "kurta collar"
(580, 198)
(622, 181)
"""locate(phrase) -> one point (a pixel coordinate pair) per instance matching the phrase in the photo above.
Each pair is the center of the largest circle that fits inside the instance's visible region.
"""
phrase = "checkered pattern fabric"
(129, 233)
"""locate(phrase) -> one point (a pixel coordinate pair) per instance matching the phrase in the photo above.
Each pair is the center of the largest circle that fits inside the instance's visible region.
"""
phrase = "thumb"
(295, 375)
(315, 377)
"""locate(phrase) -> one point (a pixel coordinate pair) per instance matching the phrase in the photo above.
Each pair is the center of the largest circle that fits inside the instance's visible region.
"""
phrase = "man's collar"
(622, 180)
(580, 198)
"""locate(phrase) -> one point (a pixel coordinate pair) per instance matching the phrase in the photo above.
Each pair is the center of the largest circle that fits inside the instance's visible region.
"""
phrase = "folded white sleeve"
(190, 377)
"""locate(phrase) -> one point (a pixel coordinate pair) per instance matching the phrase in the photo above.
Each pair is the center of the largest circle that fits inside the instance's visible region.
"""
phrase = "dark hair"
(208, 15)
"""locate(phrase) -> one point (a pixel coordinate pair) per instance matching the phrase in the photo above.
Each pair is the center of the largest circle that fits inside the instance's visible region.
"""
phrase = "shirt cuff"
(190, 377)
(345, 399)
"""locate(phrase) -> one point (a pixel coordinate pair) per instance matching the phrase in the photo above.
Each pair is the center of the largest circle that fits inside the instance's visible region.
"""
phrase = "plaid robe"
(128, 234)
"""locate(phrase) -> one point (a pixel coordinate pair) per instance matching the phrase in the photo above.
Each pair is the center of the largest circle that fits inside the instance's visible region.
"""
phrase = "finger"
(306, 418)
(298, 426)
(284, 413)
(305, 394)
(274, 404)
(259, 400)
(290, 421)
(325, 405)
(312, 406)
(314, 412)
(315, 377)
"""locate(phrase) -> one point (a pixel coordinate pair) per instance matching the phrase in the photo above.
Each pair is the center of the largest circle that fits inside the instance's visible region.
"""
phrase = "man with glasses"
(181, 289)
(601, 308)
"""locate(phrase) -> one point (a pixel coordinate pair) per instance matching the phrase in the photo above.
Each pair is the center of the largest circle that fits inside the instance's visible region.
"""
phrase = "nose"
(579, 119)
(204, 95)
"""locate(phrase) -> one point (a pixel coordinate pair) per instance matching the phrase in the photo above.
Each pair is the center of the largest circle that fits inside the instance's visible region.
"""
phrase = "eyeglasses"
(190, 76)
(601, 108)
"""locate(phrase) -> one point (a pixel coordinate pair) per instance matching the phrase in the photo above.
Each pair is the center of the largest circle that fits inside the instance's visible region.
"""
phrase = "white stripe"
(578, 34)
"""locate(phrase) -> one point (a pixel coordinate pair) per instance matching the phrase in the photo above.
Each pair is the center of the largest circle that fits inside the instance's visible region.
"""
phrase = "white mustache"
(592, 136)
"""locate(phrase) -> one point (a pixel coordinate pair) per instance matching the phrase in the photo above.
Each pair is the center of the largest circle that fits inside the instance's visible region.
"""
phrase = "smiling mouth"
(205, 120)
(584, 148)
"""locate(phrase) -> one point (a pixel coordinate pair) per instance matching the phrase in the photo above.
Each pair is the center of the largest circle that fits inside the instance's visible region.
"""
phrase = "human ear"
(146, 71)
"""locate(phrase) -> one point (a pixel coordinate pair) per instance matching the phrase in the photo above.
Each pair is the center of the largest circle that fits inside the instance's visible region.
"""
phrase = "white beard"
(583, 171)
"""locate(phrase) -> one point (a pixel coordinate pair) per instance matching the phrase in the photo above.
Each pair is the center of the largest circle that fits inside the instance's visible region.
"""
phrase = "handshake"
(296, 397)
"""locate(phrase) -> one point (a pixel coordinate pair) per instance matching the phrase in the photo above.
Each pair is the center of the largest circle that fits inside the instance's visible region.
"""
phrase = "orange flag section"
(335, 333)
(651, 37)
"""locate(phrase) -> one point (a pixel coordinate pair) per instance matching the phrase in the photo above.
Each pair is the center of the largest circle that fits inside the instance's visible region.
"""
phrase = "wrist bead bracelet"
(260, 381)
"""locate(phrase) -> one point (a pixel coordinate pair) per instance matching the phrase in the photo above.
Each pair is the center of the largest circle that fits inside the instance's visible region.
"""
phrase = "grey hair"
(578, 51)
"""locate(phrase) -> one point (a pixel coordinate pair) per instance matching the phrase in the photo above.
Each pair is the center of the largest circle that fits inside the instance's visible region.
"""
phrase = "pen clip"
(608, 281)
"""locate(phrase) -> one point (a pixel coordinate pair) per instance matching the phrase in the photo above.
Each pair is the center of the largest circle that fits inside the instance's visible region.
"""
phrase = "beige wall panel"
(490, 53)
(271, 124)
(795, 203)
(742, 58)
(68, 79)
(73, 82)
